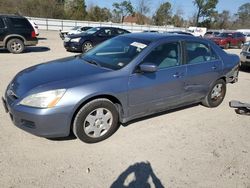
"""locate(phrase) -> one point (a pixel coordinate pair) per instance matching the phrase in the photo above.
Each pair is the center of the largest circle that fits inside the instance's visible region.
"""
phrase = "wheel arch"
(9, 37)
(112, 98)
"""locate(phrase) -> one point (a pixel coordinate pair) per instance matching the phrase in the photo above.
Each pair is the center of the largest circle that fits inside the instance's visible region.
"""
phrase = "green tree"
(163, 14)
(205, 9)
(143, 8)
(244, 15)
(177, 19)
(77, 9)
(96, 13)
(123, 9)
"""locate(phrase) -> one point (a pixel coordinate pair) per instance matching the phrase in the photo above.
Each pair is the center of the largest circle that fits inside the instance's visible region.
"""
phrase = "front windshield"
(92, 30)
(116, 53)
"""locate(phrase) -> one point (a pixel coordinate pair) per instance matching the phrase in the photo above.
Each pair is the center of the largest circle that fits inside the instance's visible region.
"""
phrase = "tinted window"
(165, 55)
(199, 53)
(120, 31)
(20, 23)
(1, 23)
(106, 31)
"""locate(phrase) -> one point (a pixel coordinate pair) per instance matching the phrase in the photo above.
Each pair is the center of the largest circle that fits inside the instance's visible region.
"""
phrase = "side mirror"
(148, 67)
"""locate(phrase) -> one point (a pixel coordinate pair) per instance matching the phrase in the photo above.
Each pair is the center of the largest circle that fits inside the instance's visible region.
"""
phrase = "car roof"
(11, 15)
(149, 36)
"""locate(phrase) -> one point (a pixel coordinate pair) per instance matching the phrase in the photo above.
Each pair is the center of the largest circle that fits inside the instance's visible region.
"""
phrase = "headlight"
(75, 40)
(47, 99)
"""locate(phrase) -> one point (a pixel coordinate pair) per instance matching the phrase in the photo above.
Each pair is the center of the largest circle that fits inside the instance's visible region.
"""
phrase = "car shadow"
(66, 138)
(245, 69)
(29, 49)
(137, 175)
(159, 114)
(41, 38)
(36, 49)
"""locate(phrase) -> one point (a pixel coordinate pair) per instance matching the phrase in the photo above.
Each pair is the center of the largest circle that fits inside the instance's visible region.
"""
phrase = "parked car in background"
(150, 31)
(246, 32)
(211, 34)
(74, 30)
(197, 31)
(229, 39)
(16, 32)
(245, 54)
(124, 78)
(35, 27)
(87, 40)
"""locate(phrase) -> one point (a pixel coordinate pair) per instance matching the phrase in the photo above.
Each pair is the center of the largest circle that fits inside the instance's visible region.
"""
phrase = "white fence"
(57, 24)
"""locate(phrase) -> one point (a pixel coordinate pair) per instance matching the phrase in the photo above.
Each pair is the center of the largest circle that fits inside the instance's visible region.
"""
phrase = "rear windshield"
(20, 23)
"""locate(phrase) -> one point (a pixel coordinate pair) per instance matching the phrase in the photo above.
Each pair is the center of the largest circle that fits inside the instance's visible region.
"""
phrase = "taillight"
(33, 34)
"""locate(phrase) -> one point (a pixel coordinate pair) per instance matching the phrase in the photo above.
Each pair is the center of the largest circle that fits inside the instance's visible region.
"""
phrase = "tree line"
(206, 14)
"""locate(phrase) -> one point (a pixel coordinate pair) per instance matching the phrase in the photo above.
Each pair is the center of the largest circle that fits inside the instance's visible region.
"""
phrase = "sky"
(186, 5)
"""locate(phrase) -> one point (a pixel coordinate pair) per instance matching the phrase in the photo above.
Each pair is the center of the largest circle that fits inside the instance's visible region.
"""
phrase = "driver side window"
(165, 55)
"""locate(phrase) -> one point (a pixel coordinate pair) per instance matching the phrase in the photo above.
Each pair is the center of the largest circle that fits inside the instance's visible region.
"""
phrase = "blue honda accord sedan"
(124, 78)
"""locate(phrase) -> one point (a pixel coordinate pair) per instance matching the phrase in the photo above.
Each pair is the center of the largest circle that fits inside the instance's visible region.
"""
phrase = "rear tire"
(15, 46)
(227, 45)
(240, 44)
(216, 94)
(96, 121)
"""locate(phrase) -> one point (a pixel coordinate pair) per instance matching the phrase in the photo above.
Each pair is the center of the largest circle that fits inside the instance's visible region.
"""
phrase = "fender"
(13, 36)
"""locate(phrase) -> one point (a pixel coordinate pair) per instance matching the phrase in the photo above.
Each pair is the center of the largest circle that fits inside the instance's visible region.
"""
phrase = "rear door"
(203, 67)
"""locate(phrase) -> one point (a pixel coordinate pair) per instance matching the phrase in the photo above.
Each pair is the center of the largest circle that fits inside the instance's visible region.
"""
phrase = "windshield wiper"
(93, 62)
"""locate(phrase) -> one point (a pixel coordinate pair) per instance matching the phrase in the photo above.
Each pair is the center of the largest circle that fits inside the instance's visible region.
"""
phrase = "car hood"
(58, 71)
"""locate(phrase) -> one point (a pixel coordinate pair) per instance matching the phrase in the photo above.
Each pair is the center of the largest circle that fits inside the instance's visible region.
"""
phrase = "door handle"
(178, 75)
(214, 67)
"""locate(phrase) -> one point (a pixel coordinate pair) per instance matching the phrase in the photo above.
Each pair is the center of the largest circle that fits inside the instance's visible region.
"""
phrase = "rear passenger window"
(165, 55)
(20, 23)
(1, 23)
(199, 53)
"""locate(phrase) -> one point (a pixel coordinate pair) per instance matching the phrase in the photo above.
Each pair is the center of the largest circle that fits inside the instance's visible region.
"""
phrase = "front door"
(163, 89)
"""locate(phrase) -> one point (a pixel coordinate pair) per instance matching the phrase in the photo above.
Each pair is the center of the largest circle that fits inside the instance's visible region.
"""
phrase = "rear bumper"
(33, 42)
(233, 75)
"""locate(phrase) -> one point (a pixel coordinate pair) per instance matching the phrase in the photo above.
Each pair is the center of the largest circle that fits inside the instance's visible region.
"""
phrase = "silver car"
(245, 54)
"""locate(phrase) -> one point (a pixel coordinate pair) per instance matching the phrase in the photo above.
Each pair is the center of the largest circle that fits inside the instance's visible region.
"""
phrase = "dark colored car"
(229, 39)
(87, 40)
(16, 32)
(245, 55)
(124, 78)
(211, 34)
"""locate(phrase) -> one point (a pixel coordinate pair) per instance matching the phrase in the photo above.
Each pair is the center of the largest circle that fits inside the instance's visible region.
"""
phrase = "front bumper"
(48, 123)
(245, 58)
(72, 46)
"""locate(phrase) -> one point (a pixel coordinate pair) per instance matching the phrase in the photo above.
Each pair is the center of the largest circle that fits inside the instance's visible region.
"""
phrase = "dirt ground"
(192, 147)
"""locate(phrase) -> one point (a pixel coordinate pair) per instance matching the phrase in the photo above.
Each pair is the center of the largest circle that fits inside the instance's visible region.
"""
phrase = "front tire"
(87, 46)
(96, 121)
(216, 94)
(15, 46)
(227, 45)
